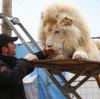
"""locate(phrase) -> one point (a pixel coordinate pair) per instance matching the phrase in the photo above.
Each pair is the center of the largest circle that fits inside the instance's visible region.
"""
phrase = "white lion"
(64, 29)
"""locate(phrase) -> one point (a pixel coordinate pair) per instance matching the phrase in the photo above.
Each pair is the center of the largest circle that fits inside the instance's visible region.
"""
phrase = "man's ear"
(4, 49)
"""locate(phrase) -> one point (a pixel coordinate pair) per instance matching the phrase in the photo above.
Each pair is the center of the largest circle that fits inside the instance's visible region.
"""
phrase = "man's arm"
(41, 55)
(15, 75)
(45, 53)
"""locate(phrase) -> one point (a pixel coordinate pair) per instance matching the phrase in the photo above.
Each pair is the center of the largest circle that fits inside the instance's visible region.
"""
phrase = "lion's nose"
(49, 46)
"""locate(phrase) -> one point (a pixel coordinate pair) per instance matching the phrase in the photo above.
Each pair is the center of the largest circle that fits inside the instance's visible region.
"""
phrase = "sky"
(29, 13)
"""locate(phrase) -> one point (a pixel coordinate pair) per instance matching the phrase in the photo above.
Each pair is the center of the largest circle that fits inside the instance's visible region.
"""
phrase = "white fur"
(64, 29)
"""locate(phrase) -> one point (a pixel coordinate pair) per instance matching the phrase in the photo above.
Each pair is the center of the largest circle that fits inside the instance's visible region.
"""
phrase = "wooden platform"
(78, 67)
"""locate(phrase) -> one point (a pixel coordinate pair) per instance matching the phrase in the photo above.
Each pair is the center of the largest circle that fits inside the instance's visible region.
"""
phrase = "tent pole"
(7, 11)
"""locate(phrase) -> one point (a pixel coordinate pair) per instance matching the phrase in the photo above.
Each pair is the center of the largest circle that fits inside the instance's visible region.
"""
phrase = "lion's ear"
(66, 22)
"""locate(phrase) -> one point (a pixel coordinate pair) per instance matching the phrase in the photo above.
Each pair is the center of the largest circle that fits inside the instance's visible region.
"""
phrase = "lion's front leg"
(80, 54)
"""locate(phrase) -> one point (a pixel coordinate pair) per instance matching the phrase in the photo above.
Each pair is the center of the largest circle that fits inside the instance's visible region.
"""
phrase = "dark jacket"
(11, 86)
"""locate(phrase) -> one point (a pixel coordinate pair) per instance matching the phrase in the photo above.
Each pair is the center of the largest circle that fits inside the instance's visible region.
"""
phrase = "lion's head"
(63, 28)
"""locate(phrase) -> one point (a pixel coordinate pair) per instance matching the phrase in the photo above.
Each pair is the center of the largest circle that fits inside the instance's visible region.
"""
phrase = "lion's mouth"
(58, 51)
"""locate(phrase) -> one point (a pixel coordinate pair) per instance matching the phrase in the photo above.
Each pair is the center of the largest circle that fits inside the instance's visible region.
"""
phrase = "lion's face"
(55, 37)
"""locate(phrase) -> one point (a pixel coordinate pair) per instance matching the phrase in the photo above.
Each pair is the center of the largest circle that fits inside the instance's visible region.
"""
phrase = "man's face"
(10, 50)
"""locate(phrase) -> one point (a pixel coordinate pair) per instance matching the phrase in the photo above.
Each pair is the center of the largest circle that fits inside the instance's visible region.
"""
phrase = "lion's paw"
(80, 56)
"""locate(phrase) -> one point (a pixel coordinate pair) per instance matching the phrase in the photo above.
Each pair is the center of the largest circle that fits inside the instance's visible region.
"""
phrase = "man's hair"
(3, 45)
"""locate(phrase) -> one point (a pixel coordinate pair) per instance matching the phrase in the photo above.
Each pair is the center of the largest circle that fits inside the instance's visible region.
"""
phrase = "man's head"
(7, 46)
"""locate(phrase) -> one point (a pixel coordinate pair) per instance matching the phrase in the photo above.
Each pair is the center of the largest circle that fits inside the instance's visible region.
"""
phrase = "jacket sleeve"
(41, 55)
(15, 75)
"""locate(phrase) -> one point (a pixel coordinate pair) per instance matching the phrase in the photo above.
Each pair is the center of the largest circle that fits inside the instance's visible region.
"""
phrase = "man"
(12, 70)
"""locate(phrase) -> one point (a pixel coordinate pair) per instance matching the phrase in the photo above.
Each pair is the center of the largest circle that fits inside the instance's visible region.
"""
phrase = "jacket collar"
(8, 60)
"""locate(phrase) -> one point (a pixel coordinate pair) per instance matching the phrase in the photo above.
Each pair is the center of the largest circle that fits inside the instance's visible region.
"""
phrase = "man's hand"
(31, 57)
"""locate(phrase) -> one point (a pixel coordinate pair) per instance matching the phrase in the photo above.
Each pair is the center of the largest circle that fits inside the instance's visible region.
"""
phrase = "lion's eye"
(56, 32)
(49, 30)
